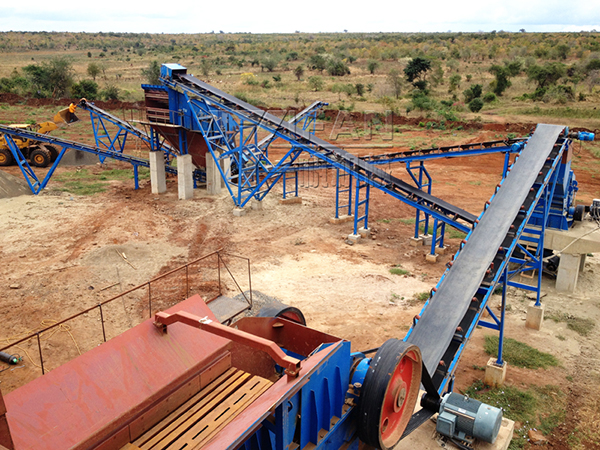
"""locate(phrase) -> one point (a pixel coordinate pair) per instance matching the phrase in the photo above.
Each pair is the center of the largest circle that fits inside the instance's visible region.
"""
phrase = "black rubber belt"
(434, 331)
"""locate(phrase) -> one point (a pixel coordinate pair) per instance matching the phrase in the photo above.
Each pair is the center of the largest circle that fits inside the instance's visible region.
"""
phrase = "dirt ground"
(62, 253)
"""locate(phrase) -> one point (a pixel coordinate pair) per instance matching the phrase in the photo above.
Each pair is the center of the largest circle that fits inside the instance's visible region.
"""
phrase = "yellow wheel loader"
(39, 154)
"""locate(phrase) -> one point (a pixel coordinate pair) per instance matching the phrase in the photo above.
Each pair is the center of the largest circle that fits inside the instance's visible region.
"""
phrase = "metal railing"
(220, 262)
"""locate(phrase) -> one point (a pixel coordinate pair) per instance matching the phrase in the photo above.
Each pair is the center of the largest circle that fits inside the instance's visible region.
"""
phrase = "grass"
(539, 407)
(84, 182)
(519, 354)
(399, 271)
(579, 325)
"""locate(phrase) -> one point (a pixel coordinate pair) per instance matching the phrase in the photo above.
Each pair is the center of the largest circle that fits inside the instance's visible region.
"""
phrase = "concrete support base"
(364, 232)
(442, 250)
(354, 237)
(431, 258)
(535, 316)
(341, 219)
(185, 180)
(568, 272)
(158, 181)
(239, 212)
(494, 374)
(427, 239)
(256, 205)
(290, 200)
(416, 242)
(213, 176)
(226, 166)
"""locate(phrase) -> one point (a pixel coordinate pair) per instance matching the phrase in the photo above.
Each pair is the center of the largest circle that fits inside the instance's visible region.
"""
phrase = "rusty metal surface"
(84, 402)
(290, 364)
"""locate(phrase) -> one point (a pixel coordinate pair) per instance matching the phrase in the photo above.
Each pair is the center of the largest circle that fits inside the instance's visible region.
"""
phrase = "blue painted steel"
(317, 415)
(585, 136)
(439, 231)
(340, 189)
(423, 181)
(358, 203)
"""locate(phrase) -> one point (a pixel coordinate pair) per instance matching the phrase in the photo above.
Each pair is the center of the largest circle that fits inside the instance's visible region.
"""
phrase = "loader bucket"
(66, 115)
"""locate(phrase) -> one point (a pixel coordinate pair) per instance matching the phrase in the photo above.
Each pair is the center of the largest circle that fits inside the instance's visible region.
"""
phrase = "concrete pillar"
(535, 316)
(416, 242)
(213, 177)
(427, 239)
(158, 181)
(226, 167)
(364, 232)
(568, 272)
(341, 219)
(185, 180)
(494, 374)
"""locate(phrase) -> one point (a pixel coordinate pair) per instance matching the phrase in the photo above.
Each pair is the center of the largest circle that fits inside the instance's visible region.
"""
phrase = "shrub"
(490, 97)
(372, 66)
(152, 72)
(475, 105)
(316, 82)
(110, 93)
(338, 68)
(85, 89)
(473, 92)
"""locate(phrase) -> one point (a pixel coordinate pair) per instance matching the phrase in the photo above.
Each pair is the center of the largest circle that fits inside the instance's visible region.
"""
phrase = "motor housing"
(464, 418)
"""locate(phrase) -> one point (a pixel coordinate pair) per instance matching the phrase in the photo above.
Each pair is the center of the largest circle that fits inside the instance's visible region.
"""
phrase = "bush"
(110, 93)
(490, 97)
(473, 92)
(316, 83)
(475, 105)
(152, 73)
(87, 89)
(422, 101)
(338, 68)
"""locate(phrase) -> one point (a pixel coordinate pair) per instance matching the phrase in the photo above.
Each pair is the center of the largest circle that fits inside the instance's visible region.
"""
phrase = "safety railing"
(161, 294)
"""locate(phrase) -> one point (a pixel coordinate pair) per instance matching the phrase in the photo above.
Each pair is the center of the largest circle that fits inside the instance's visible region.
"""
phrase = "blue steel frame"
(543, 190)
(116, 142)
(34, 182)
(207, 117)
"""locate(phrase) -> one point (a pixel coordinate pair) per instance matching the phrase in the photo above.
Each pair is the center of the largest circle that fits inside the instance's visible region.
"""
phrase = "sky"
(309, 16)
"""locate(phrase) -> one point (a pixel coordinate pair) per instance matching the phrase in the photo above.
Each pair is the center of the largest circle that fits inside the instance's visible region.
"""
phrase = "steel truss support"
(358, 204)
(423, 181)
(343, 191)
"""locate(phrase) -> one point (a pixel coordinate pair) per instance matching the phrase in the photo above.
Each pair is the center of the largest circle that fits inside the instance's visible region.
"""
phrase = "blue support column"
(339, 190)
(499, 361)
(423, 181)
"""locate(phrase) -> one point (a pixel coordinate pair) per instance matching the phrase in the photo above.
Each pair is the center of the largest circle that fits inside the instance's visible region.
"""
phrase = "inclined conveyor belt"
(439, 321)
(355, 164)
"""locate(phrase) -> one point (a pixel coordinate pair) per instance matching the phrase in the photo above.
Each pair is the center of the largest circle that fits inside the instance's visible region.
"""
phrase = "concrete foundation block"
(158, 181)
(290, 200)
(442, 250)
(427, 239)
(257, 205)
(431, 258)
(416, 242)
(341, 219)
(494, 374)
(185, 180)
(582, 262)
(568, 272)
(226, 167)
(239, 212)
(213, 176)
(354, 237)
(364, 232)
(535, 316)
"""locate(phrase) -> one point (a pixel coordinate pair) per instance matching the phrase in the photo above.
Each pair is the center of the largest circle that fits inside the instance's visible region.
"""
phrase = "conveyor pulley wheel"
(282, 310)
(389, 393)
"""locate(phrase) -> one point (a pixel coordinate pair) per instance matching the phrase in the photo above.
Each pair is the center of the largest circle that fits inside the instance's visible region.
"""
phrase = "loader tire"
(6, 157)
(40, 157)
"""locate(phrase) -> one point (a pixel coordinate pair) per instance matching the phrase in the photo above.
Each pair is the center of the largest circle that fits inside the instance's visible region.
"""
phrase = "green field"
(528, 77)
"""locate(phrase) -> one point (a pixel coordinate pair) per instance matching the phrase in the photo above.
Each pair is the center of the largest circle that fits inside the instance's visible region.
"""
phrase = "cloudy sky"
(269, 16)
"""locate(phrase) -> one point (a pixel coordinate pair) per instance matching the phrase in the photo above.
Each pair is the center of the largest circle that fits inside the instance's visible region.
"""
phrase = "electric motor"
(464, 418)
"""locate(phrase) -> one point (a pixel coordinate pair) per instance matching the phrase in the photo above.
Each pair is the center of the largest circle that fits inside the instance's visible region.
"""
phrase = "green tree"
(372, 66)
(315, 82)
(416, 72)
(546, 75)
(360, 89)
(51, 78)
(338, 68)
(152, 73)
(205, 66)
(87, 89)
(298, 72)
(502, 82)
(475, 105)
(110, 93)
(93, 70)
(269, 63)
(317, 62)
(474, 91)
(395, 82)
(454, 82)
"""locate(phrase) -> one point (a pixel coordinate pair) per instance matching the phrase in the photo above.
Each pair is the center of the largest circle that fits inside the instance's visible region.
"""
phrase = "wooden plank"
(196, 412)
(129, 447)
(203, 430)
(257, 390)
(184, 408)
